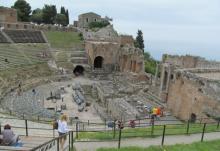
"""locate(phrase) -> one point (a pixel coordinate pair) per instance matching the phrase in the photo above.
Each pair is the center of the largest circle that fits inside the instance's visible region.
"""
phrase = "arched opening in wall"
(134, 66)
(78, 71)
(165, 80)
(193, 118)
(98, 62)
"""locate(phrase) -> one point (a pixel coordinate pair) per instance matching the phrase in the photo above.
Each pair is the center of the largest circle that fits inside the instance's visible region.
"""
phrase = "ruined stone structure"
(85, 19)
(190, 86)
(8, 15)
(107, 50)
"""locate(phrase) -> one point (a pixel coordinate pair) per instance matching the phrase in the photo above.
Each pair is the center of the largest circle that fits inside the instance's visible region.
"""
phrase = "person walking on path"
(62, 130)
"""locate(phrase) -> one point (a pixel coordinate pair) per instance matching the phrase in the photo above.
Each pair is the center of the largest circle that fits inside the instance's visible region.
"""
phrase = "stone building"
(8, 15)
(85, 19)
(190, 86)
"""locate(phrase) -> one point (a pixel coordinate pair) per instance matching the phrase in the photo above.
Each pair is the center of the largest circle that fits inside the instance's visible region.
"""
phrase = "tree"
(66, 13)
(37, 16)
(60, 19)
(139, 42)
(23, 10)
(49, 14)
(100, 24)
(67, 17)
(62, 10)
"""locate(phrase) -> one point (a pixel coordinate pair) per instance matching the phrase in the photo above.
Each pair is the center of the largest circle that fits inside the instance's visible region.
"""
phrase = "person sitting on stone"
(9, 138)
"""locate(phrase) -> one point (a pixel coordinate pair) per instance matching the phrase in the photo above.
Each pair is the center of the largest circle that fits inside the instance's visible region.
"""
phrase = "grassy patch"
(205, 146)
(59, 39)
(147, 131)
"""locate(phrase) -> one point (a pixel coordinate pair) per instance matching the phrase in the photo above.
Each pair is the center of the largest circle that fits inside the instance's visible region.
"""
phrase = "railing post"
(88, 122)
(164, 130)
(0, 128)
(114, 129)
(203, 132)
(26, 127)
(58, 145)
(53, 132)
(72, 139)
(152, 128)
(38, 118)
(69, 141)
(187, 130)
(77, 130)
(119, 139)
(218, 124)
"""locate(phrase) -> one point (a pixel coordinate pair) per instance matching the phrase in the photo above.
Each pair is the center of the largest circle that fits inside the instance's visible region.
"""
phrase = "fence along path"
(145, 142)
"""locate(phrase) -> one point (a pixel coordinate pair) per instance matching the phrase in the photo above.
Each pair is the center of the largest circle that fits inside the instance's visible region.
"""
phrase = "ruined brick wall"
(126, 40)
(28, 26)
(8, 15)
(131, 60)
(189, 94)
(202, 63)
(107, 50)
(181, 61)
(189, 61)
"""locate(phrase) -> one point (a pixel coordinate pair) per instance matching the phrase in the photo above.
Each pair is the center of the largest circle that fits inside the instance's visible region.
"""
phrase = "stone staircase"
(79, 57)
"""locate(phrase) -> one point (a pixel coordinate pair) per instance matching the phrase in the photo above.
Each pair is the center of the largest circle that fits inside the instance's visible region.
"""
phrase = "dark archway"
(98, 62)
(193, 118)
(79, 70)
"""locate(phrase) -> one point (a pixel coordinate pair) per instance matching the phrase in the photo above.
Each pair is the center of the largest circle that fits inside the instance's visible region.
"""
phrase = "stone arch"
(193, 118)
(98, 62)
(78, 70)
(165, 80)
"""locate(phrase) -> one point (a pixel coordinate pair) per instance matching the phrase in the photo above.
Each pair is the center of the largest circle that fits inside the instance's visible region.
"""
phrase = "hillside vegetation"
(150, 63)
(59, 39)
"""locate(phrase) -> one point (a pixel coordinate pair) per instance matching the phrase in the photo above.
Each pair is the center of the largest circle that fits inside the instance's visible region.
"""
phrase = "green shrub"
(100, 24)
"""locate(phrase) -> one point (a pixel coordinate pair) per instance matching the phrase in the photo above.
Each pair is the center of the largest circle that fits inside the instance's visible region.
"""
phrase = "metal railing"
(92, 131)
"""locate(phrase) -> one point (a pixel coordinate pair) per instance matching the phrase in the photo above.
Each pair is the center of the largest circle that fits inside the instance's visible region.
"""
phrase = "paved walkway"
(146, 142)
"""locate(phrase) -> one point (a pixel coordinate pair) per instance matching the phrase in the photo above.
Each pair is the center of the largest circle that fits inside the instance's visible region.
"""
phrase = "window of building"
(17, 26)
(87, 20)
(8, 25)
(95, 19)
(11, 14)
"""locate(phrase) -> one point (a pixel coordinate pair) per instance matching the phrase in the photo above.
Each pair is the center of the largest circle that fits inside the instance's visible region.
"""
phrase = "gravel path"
(146, 142)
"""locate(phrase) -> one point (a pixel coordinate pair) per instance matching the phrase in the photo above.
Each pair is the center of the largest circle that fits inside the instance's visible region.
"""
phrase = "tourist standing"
(62, 130)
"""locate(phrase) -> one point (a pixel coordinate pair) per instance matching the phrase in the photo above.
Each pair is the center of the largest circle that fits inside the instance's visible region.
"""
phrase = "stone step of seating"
(25, 36)
(3, 39)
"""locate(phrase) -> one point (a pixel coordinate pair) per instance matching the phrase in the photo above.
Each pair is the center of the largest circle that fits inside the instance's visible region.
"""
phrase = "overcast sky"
(169, 26)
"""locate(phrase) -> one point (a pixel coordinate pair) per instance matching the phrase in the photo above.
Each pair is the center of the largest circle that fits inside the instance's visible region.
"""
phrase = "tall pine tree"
(66, 13)
(67, 17)
(139, 42)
